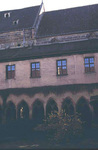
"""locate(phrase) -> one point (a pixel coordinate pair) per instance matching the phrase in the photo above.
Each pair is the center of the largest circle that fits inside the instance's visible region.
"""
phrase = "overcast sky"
(49, 4)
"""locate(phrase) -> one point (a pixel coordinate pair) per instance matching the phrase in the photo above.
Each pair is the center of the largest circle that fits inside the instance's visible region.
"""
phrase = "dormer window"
(15, 22)
(7, 15)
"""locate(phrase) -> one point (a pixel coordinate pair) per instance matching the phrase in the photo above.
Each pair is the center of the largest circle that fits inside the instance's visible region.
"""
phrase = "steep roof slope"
(25, 16)
(67, 21)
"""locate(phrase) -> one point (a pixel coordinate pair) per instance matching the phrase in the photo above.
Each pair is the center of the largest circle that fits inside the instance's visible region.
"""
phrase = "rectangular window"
(10, 71)
(35, 70)
(61, 67)
(89, 64)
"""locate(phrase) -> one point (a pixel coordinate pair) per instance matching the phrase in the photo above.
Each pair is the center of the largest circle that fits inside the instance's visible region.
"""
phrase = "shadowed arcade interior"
(10, 112)
(67, 106)
(23, 110)
(38, 111)
(51, 107)
(82, 107)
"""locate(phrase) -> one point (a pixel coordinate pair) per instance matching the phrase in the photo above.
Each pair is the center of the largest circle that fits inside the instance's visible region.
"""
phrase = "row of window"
(61, 68)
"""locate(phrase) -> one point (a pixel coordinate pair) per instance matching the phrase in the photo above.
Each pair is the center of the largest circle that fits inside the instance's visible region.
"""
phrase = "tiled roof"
(87, 46)
(25, 16)
(73, 20)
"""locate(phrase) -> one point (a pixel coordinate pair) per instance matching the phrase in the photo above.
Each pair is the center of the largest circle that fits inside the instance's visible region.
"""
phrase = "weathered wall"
(65, 38)
(27, 37)
(75, 70)
(16, 38)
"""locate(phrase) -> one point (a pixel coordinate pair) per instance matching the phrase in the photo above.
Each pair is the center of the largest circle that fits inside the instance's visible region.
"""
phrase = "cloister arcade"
(38, 108)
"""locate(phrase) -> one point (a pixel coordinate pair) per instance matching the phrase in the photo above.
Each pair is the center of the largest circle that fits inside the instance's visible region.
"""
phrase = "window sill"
(89, 72)
(35, 77)
(61, 75)
(10, 79)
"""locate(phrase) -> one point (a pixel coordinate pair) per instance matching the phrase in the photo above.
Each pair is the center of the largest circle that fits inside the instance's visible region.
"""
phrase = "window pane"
(37, 65)
(64, 67)
(86, 60)
(91, 60)
(38, 72)
(33, 73)
(13, 67)
(13, 74)
(64, 62)
(59, 63)
(33, 65)
(59, 70)
(87, 65)
(92, 69)
(64, 70)
(91, 65)
(9, 75)
(9, 68)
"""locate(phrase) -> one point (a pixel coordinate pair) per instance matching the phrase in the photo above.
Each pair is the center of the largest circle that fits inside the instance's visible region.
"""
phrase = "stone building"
(48, 62)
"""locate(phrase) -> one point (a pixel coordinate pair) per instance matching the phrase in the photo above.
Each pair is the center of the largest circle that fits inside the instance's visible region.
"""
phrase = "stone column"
(16, 111)
(44, 110)
(30, 112)
(4, 97)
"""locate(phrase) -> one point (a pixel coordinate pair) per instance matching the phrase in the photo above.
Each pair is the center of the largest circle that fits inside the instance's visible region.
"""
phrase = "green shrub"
(61, 127)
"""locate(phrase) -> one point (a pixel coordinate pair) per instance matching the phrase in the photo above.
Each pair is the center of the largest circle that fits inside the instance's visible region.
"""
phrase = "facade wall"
(48, 74)
(75, 69)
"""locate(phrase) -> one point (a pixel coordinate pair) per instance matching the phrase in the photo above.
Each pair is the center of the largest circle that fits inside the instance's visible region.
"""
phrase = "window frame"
(11, 75)
(89, 65)
(35, 70)
(61, 67)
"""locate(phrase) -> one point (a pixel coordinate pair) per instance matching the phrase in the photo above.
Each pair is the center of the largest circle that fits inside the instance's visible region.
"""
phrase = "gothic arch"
(83, 108)
(38, 111)
(10, 111)
(51, 107)
(23, 110)
(68, 106)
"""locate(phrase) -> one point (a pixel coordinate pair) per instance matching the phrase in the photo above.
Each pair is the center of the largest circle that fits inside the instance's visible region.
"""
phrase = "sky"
(48, 4)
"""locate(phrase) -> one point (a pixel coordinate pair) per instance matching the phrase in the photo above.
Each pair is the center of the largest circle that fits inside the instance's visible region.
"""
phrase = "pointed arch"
(10, 111)
(23, 110)
(82, 107)
(38, 111)
(68, 106)
(51, 107)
